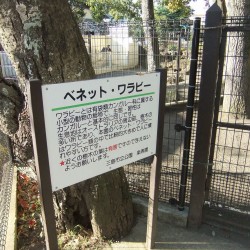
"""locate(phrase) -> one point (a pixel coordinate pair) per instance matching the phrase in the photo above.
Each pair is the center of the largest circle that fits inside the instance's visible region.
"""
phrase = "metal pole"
(42, 162)
(156, 167)
(211, 49)
(89, 43)
(178, 67)
(190, 109)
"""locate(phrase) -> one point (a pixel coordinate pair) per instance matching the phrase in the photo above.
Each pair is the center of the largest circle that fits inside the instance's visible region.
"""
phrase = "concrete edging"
(166, 213)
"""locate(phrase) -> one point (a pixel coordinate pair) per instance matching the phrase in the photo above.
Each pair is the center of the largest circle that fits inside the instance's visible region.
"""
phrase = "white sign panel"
(99, 125)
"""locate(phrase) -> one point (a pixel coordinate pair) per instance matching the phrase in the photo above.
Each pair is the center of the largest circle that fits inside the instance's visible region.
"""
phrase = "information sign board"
(96, 126)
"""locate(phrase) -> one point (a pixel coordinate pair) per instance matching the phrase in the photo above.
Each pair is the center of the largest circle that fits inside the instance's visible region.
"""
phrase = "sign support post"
(42, 162)
(156, 167)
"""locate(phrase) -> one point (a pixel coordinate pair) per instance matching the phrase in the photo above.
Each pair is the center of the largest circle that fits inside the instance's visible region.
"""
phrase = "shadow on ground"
(172, 237)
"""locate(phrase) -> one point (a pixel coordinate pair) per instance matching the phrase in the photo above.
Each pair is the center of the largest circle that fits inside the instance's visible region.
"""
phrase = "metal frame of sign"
(43, 171)
(42, 162)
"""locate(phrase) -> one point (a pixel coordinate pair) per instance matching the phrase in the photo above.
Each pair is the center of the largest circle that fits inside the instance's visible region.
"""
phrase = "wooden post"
(210, 60)
(42, 162)
(156, 167)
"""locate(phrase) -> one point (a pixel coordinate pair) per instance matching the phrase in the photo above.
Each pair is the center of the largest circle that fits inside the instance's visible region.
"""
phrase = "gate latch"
(178, 127)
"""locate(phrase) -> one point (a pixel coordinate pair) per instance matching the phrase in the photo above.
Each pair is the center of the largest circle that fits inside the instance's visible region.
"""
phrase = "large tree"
(43, 42)
(237, 87)
(118, 9)
(78, 7)
(165, 10)
(151, 38)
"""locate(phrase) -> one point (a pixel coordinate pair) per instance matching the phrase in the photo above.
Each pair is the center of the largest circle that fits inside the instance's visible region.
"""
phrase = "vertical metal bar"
(190, 109)
(216, 112)
(42, 162)
(89, 42)
(212, 36)
(156, 167)
(178, 67)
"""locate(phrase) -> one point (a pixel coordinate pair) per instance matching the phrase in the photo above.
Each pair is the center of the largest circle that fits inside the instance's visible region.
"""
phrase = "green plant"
(29, 226)
(172, 47)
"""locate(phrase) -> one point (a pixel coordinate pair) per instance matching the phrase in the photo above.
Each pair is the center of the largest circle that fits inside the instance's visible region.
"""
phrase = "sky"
(199, 6)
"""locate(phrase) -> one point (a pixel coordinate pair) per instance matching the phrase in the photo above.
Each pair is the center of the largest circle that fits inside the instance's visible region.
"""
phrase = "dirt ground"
(173, 237)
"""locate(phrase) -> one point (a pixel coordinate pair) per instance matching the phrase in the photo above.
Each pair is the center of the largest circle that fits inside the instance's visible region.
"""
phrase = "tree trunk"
(109, 204)
(150, 34)
(237, 92)
(43, 42)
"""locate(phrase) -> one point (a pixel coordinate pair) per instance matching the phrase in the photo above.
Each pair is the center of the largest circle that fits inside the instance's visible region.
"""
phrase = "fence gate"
(227, 179)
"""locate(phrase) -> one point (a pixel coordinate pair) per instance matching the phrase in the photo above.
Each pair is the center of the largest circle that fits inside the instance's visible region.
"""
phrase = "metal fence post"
(178, 67)
(212, 36)
(189, 115)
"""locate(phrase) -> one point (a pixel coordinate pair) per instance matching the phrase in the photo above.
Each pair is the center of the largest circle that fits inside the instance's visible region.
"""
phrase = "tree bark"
(150, 34)
(43, 41)
(115, 217)
(237, 87)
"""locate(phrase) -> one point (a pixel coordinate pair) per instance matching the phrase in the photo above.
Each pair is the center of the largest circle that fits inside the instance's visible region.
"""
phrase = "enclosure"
(227, 179)
(181, 52)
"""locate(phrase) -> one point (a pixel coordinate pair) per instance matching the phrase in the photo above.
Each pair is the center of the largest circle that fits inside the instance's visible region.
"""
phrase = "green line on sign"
(102, 101)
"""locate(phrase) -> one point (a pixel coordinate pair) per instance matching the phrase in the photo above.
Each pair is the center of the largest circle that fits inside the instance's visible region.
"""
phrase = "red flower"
(32, 223)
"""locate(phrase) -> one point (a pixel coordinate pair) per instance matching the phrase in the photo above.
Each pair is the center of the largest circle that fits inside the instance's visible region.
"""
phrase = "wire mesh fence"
(230, 184)
(5, 196)
(7, 69)
(6, 178)
(6, 169)
(124, 48)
